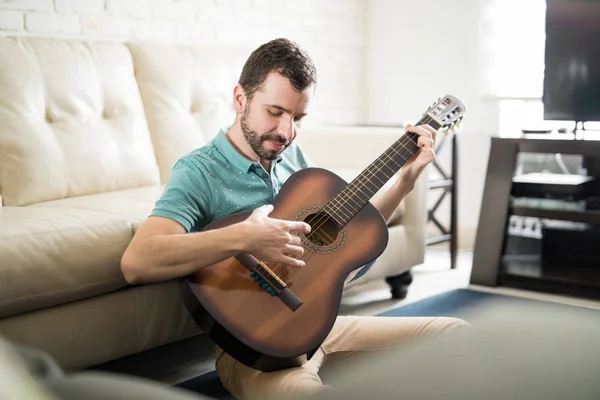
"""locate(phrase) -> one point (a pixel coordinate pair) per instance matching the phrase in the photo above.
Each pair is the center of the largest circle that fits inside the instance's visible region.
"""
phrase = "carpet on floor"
(467, 304)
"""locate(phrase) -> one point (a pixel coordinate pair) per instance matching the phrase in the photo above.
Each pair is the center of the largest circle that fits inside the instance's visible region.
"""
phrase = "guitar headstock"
(447, 112)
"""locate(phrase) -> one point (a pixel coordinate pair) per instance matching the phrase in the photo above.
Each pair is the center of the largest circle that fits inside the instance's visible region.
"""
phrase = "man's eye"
(275, 114)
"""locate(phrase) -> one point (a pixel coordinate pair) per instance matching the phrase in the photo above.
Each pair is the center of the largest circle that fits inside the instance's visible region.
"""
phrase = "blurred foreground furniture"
(514, 350)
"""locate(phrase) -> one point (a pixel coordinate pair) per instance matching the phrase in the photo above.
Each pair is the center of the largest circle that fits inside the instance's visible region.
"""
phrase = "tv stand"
(494, 261)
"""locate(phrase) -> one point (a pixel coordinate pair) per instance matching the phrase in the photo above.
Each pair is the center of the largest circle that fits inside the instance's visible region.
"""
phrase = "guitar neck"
(359, 192)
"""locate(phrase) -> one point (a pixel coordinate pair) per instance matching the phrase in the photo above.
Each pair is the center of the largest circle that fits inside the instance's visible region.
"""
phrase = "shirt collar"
(235, 157)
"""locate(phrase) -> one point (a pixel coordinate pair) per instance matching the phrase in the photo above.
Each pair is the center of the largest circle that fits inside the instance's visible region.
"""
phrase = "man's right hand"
(274, 240)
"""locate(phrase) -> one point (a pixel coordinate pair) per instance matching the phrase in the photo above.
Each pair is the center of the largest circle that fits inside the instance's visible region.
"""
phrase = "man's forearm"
(386, 201)
(164, 257)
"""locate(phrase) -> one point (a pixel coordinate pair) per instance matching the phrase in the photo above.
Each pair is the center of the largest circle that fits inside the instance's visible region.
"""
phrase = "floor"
(431, 278)
(434, 276)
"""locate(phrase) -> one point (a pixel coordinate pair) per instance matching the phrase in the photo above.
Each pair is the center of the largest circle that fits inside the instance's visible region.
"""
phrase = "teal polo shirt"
(216, 180)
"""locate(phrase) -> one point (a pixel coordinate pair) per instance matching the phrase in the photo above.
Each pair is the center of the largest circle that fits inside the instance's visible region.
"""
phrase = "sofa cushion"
(91, 331)
(187, 93)
(71, 120)
(50, 256)
(132, 205)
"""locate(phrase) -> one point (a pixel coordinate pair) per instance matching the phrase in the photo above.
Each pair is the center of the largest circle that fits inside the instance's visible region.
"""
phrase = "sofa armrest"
(415, 210)
(346, 148)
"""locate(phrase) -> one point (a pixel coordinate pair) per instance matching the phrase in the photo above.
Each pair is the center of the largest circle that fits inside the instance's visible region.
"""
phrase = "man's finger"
(299, 226)
(430, 129)
(266, 209)
(296, 240)
(294, 251)
(292, 262)
(425, 141)
(419, 130)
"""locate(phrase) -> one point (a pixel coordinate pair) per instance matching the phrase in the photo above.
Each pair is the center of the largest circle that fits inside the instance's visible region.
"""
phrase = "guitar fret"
(333, 215)
(357, 193)
(340, 206)
(367, 183)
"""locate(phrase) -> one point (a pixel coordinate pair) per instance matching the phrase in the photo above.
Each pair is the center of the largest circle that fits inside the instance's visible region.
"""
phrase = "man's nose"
(286, 128)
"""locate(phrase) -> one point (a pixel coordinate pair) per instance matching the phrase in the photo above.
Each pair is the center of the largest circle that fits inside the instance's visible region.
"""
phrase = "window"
(513, 59)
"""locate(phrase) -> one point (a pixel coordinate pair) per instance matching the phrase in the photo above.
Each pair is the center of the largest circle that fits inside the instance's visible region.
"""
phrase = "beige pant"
(350, 335)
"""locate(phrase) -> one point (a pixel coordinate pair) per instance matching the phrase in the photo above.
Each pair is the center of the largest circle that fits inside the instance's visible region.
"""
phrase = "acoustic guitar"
(271, 316)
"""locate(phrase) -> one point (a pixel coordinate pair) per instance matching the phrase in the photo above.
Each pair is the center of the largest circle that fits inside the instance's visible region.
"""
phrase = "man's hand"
(274, 240)
(413, 168)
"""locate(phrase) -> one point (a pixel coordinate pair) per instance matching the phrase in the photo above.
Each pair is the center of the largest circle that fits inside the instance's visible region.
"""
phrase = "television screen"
(572, 60)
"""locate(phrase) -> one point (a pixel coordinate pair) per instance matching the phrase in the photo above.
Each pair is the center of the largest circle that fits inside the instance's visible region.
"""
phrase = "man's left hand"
(413, 168)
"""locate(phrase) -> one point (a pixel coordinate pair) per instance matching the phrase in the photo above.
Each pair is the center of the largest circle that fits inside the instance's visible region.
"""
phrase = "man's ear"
(239, 99)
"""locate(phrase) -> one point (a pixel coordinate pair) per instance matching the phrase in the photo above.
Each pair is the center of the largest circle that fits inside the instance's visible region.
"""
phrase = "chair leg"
(399, 284)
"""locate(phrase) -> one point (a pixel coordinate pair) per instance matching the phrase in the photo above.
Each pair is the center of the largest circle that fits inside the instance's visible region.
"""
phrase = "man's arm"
(387, 200)
(162, 250)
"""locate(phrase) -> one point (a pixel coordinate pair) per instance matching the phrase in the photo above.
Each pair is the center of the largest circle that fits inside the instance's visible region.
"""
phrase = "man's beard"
(256, 141)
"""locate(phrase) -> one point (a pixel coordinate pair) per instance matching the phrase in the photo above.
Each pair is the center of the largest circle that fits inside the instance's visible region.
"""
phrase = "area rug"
(474, 305)
(471, 305)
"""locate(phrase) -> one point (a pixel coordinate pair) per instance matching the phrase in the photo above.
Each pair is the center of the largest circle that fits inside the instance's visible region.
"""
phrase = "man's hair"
(283, 56)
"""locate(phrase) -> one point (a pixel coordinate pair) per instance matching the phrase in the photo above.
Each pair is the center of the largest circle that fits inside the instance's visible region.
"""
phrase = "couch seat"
(132, 205)
(52, 255)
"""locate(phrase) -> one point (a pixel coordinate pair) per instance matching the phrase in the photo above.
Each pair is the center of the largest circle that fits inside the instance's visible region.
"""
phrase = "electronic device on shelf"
(536, 131)
(557, 186)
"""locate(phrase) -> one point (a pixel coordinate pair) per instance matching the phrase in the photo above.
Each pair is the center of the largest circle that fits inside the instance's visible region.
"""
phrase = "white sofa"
(89, 131)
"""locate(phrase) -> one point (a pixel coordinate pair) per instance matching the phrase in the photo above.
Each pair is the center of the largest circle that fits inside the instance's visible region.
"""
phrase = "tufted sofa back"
(187, 93)
(71, 120)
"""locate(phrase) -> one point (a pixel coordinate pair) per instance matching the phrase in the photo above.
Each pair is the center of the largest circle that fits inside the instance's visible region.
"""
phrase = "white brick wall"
(331, 30)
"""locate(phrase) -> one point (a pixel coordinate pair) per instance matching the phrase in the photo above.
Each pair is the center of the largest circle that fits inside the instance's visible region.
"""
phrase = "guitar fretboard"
(344, 206)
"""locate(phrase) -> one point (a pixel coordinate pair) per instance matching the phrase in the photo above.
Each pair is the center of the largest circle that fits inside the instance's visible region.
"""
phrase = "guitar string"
(379, 163)
(367, 179)
(342, 199)
(353, 189)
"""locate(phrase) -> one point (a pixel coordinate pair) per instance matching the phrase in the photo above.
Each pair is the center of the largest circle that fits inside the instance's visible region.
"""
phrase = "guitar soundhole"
(324, 229)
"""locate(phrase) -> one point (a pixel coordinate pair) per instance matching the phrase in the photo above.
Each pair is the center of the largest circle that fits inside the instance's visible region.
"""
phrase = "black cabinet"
(544, 243)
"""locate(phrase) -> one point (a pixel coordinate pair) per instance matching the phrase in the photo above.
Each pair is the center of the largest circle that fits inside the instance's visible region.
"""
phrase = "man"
(242, 169)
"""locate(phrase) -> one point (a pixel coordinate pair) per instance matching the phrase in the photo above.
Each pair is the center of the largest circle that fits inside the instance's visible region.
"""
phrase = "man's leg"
(245, 383)
(349, 336)
(360, 335)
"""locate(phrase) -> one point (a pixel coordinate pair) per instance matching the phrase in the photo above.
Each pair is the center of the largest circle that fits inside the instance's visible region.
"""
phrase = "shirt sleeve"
(186, 197)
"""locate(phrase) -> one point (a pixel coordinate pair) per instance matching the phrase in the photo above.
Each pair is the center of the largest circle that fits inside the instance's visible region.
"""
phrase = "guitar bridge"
(266, 278)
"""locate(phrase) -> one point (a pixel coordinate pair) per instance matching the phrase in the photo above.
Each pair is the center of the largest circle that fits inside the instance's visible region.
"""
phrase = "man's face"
(271, 119)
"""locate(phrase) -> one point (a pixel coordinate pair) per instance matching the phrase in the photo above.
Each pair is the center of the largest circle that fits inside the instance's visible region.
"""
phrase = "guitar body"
(258, 329)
